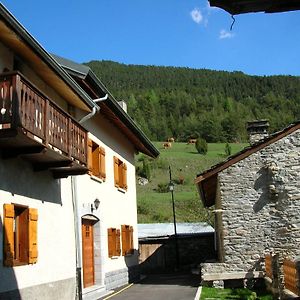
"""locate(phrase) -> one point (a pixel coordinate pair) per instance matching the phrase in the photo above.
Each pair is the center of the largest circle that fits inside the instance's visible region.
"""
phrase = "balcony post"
(46, 121)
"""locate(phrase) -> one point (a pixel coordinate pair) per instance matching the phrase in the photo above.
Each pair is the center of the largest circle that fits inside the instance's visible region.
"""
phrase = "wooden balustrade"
(22, 105)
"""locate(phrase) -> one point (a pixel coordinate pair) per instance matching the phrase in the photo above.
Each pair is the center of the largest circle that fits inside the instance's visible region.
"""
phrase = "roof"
(207, 180)
(17, 38)
(156, 230)
(245, 6)
(113, 111)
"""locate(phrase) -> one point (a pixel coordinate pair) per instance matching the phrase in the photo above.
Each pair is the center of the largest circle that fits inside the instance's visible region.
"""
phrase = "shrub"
(227, 149)
(201, 146)
(162, 187)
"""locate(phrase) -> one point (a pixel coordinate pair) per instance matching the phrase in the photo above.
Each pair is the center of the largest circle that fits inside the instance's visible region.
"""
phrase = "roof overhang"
(207, 181)
(18, 39)
(235, 7)
(110, 108)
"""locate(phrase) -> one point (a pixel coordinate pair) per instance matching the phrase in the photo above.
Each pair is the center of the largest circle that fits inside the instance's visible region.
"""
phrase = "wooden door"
(88, 253)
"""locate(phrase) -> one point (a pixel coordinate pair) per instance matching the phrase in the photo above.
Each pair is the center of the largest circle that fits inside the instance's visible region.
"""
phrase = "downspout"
(76, 210)
(95, 109)
(77, 228)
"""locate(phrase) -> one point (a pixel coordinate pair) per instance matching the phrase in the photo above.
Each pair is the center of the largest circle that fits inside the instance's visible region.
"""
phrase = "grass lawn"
(242, 294)
(186, 162)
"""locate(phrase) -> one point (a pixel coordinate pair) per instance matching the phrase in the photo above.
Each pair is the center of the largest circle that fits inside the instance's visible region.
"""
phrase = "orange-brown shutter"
(124, 176)
(118, 243)
(110, 242)
(116, 171)
(124, 240)
(9, 214)
(90, 156)
(131, 248)
(32, 236)
(96, 160)
(102, 163)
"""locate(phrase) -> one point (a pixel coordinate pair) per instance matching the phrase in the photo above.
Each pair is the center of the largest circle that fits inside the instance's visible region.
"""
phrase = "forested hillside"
(183, 102)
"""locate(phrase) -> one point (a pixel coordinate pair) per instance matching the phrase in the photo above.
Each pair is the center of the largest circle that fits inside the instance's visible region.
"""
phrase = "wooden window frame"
(114, 246)
(20, 235)
(120, 174)
(96, 160)
(127, 240)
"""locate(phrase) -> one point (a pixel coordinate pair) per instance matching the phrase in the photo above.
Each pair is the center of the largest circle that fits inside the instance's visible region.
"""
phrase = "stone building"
(256, 199)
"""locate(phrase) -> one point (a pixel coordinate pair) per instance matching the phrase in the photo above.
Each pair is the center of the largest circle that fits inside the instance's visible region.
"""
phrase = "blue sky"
(164, 32)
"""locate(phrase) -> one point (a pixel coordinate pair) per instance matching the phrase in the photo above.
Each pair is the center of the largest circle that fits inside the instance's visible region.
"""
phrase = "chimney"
(257, 130)
(123, 104)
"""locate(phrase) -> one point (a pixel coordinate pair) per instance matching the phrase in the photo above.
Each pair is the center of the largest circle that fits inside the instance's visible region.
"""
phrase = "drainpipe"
(96, 108)
(76, 210)
(77, 228)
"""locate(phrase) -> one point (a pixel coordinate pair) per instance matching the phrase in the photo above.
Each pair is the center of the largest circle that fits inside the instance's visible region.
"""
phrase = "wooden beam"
(15, 152)
(50, 165)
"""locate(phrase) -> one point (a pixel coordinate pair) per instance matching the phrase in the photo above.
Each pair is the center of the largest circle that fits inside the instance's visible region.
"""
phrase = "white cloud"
(197, 16)
(224, 34)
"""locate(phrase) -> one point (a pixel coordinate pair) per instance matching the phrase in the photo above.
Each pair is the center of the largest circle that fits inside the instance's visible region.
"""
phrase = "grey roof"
(167, 229)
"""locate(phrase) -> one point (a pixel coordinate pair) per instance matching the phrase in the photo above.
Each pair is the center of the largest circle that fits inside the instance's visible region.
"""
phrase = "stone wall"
(259, 207)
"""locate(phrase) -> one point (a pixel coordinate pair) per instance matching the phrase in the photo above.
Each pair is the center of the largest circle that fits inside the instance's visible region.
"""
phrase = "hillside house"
(255, 194)
(59, 229)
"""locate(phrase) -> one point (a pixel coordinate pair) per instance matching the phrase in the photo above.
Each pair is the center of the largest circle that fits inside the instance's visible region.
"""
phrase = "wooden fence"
(290, 276)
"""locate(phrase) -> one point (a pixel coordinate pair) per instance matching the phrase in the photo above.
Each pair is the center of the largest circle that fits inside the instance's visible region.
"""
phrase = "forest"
(189, 103)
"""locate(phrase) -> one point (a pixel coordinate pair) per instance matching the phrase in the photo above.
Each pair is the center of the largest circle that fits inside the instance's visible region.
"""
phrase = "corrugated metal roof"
(167, 229)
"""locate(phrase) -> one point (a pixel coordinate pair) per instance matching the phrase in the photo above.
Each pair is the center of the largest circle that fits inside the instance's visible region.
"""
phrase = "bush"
(201, 146)
(227, 149)
(163, 188)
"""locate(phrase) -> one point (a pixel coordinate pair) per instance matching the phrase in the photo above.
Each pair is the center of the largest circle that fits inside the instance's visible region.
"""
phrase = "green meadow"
(155, 203)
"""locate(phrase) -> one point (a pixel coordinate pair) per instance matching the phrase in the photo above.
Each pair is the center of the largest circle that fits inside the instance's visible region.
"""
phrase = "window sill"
(114, 257)
(95, 178)
(122, 190)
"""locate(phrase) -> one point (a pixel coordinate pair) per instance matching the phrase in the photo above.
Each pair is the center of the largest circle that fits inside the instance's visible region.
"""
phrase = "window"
(127, 240)
(120, 171)
(96, 160)
(114, 248)
(20, 235)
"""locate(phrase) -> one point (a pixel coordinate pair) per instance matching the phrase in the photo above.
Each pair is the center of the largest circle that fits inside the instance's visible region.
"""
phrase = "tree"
(201, 146)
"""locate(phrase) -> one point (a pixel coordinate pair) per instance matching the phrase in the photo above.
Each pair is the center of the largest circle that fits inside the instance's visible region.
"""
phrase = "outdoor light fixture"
(95, 205)
(171, 186)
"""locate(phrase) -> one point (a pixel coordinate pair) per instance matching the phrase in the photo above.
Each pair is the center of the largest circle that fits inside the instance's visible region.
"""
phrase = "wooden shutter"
(96, 160)
(124, 176)
(131, 248)
(110, 242)
(118, 243)
(102, 163)
(124, 240)
(116, 171)
(33, 237)
(90, 156)
(9, 214)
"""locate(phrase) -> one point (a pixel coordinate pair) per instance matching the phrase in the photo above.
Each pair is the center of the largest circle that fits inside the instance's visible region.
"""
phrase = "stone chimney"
(123, 104)
(257, 130)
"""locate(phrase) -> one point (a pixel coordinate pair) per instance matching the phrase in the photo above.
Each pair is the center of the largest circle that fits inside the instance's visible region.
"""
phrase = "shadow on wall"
(17, 177)
(8, 280)
(262, 185)
(132, 263)
(159, 255)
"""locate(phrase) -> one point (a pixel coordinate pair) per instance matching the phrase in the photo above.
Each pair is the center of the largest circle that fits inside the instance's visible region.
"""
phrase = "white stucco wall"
(116, 207)
(56, 238)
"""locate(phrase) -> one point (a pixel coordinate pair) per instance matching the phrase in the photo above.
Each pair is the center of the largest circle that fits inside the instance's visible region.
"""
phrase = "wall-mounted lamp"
(95, 205)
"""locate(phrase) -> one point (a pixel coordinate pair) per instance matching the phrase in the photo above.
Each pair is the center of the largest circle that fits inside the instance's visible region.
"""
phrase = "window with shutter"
(127, 240)
(114, 248)
(120, 171)
(96, 160)
(20, 235)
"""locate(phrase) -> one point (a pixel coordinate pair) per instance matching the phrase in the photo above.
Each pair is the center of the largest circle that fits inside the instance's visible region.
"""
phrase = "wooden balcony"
(36, 129)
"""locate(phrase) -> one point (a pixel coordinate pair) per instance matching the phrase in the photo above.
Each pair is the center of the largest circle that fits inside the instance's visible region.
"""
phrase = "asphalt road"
(161, 287)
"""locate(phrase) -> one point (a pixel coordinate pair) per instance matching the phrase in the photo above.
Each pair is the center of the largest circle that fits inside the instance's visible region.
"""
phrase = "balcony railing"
(23, 107)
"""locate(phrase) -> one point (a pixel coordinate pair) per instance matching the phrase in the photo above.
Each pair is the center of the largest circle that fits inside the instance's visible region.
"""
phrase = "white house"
(54, 234)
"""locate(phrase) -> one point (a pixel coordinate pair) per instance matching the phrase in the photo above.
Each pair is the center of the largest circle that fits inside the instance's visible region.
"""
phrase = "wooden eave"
(206, 180)
(16, 38)
(246, 6)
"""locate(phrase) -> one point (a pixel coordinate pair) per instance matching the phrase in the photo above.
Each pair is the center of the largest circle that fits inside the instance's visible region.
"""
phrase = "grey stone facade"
(121, 277)
(257, 208)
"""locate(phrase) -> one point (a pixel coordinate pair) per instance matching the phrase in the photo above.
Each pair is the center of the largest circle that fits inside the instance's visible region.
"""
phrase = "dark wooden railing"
(23, 105)
(290, 276)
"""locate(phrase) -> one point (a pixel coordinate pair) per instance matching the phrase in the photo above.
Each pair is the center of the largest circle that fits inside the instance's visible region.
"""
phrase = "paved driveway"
(162, 287)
